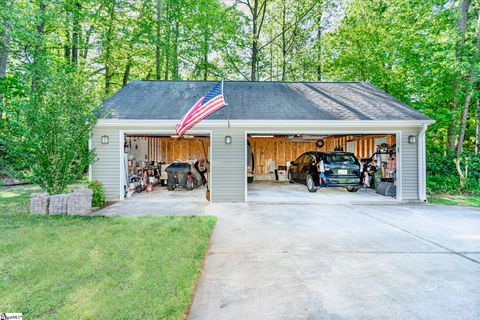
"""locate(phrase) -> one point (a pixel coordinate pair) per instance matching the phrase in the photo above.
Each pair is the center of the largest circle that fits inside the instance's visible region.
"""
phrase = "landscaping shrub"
(98, 197)
(442, 176)
(450, 184)
(48, 129)
(472, 185)
(442, 183)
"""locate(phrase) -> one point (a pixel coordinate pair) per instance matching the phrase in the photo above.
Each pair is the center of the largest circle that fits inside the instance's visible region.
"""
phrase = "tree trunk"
(76, 32)
(87, 42)
(462, 27)
(158, 42)
(257, 11)
(4, 49)
(167, 43)
(167, 55)
(108, 47)
(271, 62)
(66, 47)
(462, 23)
(253, 72)
(461, 174)
(463, 118)
(470, 89)
(205, 55)
(319, 43)
(126, 73)
(39, 50)
(477, 136)
(284, 41)
(175, 49)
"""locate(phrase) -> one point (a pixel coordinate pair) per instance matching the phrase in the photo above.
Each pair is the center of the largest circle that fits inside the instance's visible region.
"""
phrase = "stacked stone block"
(58, 204)
(75, 203)
(80, 201)
(39, 203)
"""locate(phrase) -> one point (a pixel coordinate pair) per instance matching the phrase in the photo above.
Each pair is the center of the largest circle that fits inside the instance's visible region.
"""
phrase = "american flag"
(204, 107)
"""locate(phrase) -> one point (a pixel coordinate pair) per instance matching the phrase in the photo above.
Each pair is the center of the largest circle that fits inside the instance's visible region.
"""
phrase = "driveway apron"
(341, 262)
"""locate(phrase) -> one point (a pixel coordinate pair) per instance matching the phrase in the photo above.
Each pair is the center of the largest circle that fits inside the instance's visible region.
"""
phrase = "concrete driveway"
(341, 262)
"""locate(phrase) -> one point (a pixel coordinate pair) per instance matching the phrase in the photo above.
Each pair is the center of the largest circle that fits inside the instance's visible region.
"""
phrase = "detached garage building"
(271, 116)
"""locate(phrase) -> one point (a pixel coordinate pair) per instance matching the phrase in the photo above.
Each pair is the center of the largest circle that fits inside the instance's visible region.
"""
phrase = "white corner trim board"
(422, 166)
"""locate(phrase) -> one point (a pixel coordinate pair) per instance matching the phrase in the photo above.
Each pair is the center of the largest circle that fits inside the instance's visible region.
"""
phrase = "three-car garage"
(346, 133)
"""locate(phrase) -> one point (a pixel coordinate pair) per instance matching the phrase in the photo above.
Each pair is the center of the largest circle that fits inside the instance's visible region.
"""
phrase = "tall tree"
(5, 25)
(107, 43)
(462, 29)
(158, 40)
(469, 87)
(257, 10)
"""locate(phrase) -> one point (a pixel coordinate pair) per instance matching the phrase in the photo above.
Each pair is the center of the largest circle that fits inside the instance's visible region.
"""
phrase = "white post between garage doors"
(399, 180)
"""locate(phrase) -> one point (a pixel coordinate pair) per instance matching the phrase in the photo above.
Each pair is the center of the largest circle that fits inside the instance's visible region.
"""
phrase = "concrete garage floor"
(284, 192)
(341, 262)
(160, 202)
(180, 201)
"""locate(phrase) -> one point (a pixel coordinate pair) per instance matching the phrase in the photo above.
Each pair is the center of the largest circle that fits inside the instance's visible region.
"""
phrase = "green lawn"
(63, 267)
(457, 200)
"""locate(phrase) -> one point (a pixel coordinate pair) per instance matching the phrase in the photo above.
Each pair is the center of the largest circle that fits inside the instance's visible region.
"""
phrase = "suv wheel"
(290, 177)
(352, 189)
(311, 184)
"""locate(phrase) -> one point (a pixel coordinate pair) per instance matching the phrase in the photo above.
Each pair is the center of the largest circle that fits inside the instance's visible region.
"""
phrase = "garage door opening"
(327, 168)
(166, 167)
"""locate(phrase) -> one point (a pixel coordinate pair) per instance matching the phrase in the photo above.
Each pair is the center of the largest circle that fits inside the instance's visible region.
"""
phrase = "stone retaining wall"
(78, 202)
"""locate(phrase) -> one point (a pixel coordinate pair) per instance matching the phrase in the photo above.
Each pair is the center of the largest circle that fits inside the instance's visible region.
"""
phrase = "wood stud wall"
(167, 149)
(281, 149)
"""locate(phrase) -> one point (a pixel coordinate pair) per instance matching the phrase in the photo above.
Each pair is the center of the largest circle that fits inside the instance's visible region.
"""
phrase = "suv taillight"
(320, 166)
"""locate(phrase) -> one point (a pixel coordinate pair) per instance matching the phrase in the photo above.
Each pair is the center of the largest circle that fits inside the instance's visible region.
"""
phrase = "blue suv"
(326, 169)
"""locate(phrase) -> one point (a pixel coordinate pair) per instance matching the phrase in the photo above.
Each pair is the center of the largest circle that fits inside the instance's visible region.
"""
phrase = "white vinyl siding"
(228, 166)
(409, 158)
(106, 168)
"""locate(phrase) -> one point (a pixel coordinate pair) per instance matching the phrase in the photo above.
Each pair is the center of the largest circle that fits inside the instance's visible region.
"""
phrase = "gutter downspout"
(422, 167)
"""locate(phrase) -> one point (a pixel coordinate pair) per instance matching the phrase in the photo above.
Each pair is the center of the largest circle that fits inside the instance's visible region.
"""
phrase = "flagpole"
(226, 104)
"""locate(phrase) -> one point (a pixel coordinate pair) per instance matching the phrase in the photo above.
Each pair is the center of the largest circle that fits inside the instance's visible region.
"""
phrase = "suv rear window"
(340, 158)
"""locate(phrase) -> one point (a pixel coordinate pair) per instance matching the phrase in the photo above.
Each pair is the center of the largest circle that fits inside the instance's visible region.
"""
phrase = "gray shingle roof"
(260, 101)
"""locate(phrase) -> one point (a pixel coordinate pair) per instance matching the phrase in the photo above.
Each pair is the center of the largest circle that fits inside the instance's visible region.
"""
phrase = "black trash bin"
(179, 175)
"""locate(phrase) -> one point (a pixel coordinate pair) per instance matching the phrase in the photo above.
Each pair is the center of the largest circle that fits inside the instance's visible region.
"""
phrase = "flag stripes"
(204, 107)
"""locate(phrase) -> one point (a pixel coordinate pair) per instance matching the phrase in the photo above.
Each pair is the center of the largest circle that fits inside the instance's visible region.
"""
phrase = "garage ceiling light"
(310, 137)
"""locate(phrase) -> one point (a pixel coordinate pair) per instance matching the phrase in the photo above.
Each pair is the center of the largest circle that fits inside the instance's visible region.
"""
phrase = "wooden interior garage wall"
(281, 149)
(166, 149)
